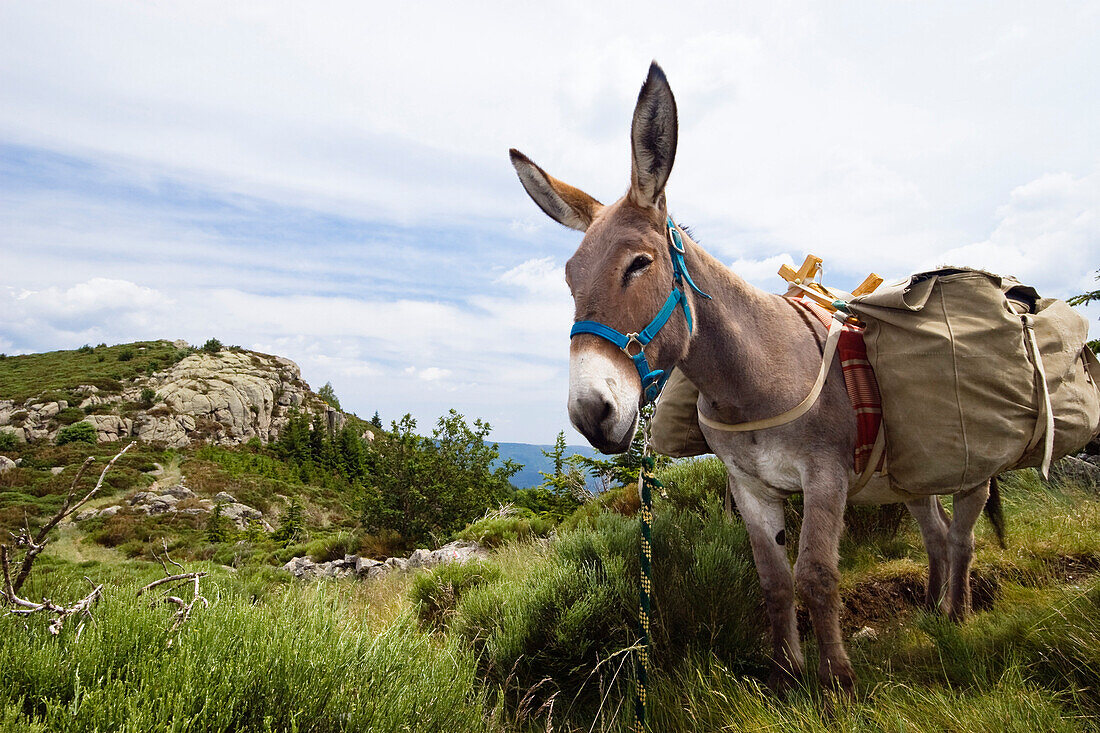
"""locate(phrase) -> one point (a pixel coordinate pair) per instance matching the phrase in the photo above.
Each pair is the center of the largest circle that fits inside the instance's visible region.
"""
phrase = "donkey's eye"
(637, 265)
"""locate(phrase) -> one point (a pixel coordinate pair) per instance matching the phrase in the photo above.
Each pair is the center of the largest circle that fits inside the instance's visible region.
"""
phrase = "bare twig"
(173, 579)
(184, 607)
(82, 607)
(35, 545)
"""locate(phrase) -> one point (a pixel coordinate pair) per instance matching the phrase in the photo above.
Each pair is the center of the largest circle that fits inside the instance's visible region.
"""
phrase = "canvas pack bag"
(978, 375)
(674, 428)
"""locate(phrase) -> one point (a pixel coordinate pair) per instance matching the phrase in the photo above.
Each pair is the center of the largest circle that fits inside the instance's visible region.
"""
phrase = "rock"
(180, 492)
(191, 511)
(110, 428)
(1075, 470)
(6, 464)
(397, 563)
(86, 514)
(378, 570)
(20, 435)
(458, 551)
(223, 497)
(865, 634)
(142, 497)
(47, 410)
(301, 567)
(57, 470)
(420, 559)
(181, 344)
(363, 565)
(110, 511)
(240, 514)
(161, 504)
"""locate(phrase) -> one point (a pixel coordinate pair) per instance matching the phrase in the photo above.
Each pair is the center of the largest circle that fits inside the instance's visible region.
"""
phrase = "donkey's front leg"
(763, 516)
(966, 507)
(816, 572)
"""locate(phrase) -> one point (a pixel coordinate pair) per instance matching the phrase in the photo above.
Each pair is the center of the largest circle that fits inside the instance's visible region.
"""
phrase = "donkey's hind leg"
(934, 525)
(763, 516)
(966, 507)
(817, 574)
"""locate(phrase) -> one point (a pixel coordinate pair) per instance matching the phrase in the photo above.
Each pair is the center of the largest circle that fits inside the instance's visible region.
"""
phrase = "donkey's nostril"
(596, 408)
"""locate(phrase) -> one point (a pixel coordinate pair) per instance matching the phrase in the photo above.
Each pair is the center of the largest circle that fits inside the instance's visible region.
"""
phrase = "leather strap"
(798, 410)
(872, 462)
(1042, 427)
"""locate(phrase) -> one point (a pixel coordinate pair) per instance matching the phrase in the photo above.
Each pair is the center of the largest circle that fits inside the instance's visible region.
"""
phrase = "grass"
(294, 661)
(538, 637)
(54, 374)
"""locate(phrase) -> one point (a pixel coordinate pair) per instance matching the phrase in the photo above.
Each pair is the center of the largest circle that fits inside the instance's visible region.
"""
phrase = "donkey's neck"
(753, 354)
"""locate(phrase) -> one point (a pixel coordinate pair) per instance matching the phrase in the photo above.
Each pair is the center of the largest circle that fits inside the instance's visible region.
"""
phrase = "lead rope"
(646, 483)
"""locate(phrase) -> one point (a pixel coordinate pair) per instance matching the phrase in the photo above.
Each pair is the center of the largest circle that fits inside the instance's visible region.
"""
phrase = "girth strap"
(798, 410)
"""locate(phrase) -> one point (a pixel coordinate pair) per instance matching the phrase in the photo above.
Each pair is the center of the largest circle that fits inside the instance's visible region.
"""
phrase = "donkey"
(752, 355)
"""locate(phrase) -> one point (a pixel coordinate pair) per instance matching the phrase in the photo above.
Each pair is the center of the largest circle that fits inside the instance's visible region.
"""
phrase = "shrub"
(212, 346)
(576, 608)
(148, 397)
(292, 526)
(126, 355)
(7, 441)
(507, 524)
(328, 394)
(85, 349)
(333, 547)
(70, 415)
(217, 526)
(622, 500)
(81, 432)
(692, 483)
(437, 593)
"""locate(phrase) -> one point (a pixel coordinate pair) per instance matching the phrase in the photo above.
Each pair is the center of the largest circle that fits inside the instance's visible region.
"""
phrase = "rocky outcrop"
(179, 499)
(363, 567)
(226, 398)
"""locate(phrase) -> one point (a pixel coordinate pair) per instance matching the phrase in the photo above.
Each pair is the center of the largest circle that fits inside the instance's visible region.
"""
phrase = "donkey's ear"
(561, 202)
(652, 138)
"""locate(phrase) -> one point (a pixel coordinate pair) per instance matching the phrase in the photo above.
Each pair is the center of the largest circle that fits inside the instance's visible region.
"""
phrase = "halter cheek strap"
(633, 344)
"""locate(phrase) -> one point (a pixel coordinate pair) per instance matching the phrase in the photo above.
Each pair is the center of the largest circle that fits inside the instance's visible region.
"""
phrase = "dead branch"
(174, 581)
(36, 544)
(83, 607)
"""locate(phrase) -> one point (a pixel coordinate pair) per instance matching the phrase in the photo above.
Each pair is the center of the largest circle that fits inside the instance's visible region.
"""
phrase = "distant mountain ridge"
(533, 460)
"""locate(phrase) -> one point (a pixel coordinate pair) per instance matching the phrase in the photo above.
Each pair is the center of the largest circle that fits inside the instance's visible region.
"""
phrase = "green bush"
(148, 397)
(125, 354)
(507, 525)
(333, 547)
(436, 594)
(70, 415)
(85, 349)
(7, 441)
(691, 484)
(81, 432)
(575, 609)
(212, 346)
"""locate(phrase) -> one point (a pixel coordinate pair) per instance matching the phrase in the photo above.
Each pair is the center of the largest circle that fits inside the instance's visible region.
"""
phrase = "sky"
(329, 181)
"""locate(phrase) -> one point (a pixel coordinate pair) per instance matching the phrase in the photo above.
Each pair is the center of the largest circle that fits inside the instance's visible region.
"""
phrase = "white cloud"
(972, 139)
(434, 374)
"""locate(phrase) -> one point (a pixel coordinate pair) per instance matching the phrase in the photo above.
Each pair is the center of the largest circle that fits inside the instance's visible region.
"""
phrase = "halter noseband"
(633, 344)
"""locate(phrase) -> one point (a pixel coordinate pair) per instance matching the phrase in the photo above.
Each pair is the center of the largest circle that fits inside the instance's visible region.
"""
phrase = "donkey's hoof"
(782, 680)
(841, 678)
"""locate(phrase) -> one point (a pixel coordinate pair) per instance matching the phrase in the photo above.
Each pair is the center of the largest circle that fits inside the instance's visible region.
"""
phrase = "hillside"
(157, 391)
(533, 461)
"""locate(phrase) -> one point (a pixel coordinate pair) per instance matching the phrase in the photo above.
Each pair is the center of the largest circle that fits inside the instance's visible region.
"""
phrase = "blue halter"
(653, 380)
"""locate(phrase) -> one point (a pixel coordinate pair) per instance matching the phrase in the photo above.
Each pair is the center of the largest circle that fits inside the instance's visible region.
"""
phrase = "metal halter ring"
(632, 338)
(674, 239)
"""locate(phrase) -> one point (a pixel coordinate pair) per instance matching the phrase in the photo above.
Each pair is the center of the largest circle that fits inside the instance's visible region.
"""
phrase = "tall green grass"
(293, 662)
